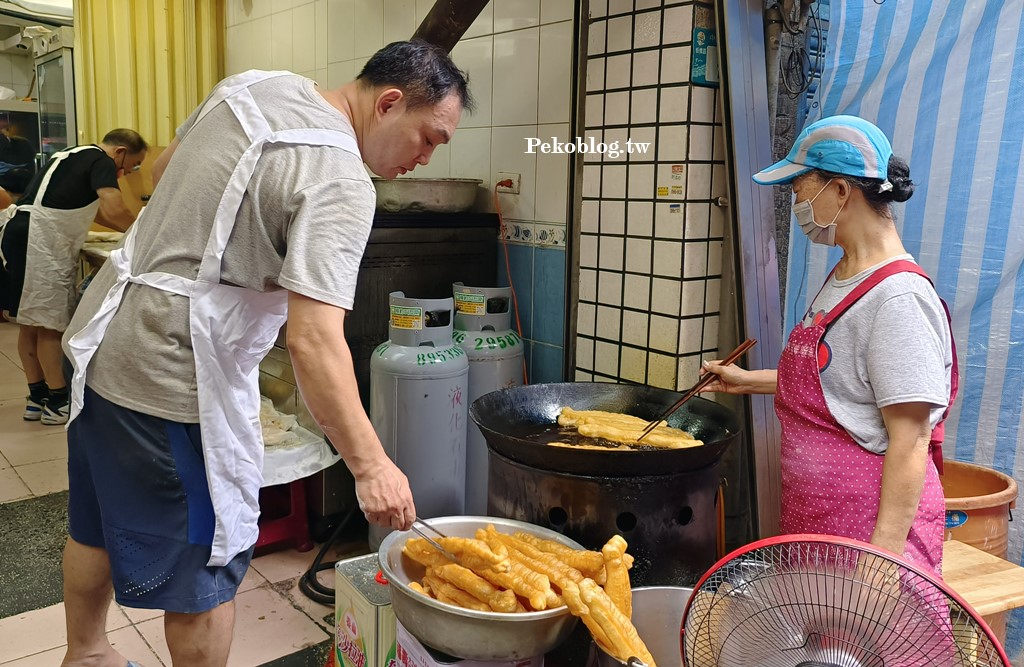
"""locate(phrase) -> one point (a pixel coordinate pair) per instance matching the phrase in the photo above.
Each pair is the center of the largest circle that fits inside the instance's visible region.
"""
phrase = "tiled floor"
(273, 618)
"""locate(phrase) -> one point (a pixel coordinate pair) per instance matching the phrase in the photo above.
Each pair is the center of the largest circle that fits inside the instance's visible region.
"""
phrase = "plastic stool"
(290, 530)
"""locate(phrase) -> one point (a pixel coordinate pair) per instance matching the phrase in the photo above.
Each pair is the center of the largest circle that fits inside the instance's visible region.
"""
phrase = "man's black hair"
(423, 72)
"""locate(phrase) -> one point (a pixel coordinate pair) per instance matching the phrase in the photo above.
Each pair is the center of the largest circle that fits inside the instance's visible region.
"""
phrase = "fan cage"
(823, 601)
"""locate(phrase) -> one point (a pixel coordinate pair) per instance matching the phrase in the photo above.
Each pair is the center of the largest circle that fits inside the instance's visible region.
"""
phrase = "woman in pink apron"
(867, 377)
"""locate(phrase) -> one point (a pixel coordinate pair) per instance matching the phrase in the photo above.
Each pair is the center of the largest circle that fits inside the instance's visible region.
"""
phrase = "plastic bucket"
(658, 618)
(978, 503)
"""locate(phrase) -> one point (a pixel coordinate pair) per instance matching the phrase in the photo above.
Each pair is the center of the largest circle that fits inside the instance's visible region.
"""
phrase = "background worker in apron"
(868, 376)
(261, 214)
(40, 240)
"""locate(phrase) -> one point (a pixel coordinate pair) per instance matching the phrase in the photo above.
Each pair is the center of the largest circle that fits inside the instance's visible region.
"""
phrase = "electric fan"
(824, 601)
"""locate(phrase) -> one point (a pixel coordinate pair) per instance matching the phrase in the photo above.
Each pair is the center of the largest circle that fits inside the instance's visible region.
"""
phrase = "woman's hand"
(736, 380)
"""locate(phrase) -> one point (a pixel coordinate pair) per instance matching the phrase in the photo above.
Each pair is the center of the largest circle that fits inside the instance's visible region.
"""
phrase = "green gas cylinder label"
(471, 304)
(406, 317)
(506, 341)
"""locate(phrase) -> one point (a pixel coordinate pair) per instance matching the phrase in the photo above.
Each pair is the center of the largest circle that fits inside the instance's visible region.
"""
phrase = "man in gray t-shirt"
(261, 216)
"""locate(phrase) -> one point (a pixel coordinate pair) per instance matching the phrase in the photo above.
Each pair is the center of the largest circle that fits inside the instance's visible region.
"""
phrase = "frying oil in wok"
(547, 433)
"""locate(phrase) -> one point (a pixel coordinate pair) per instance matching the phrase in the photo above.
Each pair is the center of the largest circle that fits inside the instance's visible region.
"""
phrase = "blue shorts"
(137, 488)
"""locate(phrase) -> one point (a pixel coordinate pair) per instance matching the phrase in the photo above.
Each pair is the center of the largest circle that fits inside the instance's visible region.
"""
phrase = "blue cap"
(838, 144)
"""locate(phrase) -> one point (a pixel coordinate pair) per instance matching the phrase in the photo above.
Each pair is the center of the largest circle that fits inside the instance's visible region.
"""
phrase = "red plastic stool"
(291, 529)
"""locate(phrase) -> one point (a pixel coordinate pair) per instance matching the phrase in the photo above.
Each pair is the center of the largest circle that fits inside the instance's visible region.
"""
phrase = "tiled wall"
(518, 56)
(650, 234)
(16, 73)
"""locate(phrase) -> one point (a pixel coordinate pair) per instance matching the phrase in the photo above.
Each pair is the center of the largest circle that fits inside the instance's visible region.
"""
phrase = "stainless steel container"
(658, 618)
(437, 195)
(466, 633)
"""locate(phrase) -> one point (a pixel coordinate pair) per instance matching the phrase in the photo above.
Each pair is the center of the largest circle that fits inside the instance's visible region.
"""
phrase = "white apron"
(55, 237)
(232, 329)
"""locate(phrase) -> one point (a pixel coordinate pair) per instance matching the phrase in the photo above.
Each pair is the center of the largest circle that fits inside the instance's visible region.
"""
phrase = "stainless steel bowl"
(436, 195)
(658, 619)
(466, 633)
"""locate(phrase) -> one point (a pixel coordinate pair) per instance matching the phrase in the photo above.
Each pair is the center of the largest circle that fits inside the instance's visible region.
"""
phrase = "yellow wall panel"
(144, 64)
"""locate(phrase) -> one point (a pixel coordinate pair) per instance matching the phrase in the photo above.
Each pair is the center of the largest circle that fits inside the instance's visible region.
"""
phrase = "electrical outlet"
(515, 178)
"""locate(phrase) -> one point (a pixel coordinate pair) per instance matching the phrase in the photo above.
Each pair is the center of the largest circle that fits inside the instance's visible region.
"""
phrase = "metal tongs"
(703, 382)
(434, 543)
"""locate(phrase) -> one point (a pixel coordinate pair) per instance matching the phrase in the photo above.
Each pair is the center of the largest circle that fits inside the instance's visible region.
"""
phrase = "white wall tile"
(617, 71)
(643, 143)
(610, 250)
(620, 33)
(675, 64)
(439, 165)
(595, 137)
(592, 180)
(613, 217)
(665, 296)
(508, 145)
(616, 109)
(668, 221)
(588, 285)
(715, 258)
(702, 104)
(713, 296)
(236, 52)
(514, 99)
(281, 41)
(634, 330)
(644, 106)
(594, 111)
(638, 255)
(595, 74)
(695, 260)
(678, 25)
(585, 353)
(588, 253)
(645, 68)
(667, 177)
(698, 220)
(639, 217)
(717, 227)
(692, 298)
(637, 292)
(260, 8)
(590, 216)
(661, 371)
(608, 325)
(483, 25)
(701, 138)
(619, 6)
(668, 258)
(596, 38)
(718, 151)
(664, 333)
(587, 319)
(598, 8)
(471, 154)
(556, 10)
(688, 374)
(321, 76)
(423, 8)
(606, 358)
(675, 104)
(338, 74)
(641, 181)
(341, 21)
(698, 181)
(690, 332)
(609, 288)
(261, 56)
(399, 20)
(515, 14)
(672, 143)
(552, 177)
(369, 27)
(615, 149)
(304, 38)
(322, 33)
(476, 58)
(647, 30)
(647, 4)
(555, 76)
(613, 181)
(229, 12)
(634, 363)
(710, 330)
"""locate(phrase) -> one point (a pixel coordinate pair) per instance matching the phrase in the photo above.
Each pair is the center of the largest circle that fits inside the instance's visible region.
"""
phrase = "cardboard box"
(411, 653)
(364, 624)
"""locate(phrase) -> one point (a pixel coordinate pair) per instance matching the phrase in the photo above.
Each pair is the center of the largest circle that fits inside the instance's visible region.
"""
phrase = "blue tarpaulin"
(944, 79)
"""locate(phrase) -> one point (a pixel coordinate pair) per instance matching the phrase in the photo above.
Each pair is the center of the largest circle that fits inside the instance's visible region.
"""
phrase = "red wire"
(508, 273)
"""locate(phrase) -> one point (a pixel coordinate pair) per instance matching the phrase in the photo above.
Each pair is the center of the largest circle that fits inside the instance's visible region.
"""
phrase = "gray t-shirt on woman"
(892, 346)
(303, 225)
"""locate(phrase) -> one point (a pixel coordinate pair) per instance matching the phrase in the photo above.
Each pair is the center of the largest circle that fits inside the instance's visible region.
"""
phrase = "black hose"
(308, 582)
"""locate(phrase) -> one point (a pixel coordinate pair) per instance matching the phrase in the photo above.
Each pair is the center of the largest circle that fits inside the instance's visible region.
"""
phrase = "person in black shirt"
(40, 240)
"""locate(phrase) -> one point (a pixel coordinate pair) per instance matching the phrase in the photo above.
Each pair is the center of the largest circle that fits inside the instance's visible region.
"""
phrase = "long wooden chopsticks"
(703, 382)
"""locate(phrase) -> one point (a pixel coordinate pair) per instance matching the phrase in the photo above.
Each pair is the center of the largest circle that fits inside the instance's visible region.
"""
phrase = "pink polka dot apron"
(830, 484)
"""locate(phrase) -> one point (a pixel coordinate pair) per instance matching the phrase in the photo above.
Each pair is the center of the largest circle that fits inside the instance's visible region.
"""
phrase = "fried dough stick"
(570, 417)
(446, 592)
(617, 584)
(423, 553)
(535, 559)
(618, 628)
(479, 588)
(577, 608)
(584, 561)
(526, 583)
(663, 436)
(496, 558)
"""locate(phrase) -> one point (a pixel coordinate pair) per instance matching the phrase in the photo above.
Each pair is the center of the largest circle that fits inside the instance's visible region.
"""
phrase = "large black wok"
(508, 416)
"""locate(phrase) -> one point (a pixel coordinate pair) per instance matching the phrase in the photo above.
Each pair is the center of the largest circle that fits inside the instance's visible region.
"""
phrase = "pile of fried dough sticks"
(522, 573)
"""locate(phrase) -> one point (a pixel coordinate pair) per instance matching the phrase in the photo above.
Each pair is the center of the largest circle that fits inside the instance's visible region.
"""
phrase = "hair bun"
(899, 177)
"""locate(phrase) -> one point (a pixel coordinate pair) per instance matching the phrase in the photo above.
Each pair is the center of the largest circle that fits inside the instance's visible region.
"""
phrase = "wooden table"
(991, 585)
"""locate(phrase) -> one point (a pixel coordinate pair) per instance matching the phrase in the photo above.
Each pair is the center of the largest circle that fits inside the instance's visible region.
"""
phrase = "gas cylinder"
(418, 404)
(483, 327)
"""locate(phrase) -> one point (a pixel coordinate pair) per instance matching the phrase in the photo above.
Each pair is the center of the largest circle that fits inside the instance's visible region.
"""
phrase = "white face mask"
(815, 231)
